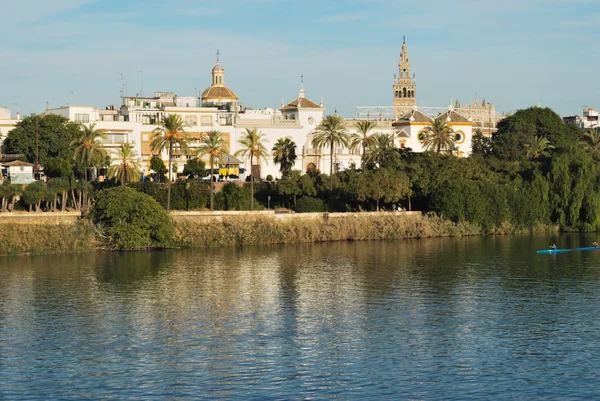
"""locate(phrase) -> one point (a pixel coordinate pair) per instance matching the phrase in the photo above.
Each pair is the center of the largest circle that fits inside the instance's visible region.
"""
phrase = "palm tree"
(439, 137)
(214, 146)
(170, 135)
(284, 154)
(538, 146)
(591, 141)
(88, 152)
(332, 131)
(382, 151)
(252, 145)
(362, 139)
(128, 169)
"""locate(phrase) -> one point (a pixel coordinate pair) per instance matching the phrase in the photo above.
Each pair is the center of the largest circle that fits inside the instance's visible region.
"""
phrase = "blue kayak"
(587, 248)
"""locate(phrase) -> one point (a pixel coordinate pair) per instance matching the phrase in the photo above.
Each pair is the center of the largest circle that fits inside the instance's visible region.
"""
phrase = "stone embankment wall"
(39, 218)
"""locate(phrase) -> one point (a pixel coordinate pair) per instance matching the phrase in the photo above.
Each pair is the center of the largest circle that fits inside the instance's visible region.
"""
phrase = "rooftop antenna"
(122, 84)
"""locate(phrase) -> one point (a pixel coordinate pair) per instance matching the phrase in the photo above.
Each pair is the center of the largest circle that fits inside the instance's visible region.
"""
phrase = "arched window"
(396, 93)
(404, 92)
(310, 166)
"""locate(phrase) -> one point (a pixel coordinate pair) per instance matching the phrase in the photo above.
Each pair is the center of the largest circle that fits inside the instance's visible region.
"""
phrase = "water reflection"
(453, 318)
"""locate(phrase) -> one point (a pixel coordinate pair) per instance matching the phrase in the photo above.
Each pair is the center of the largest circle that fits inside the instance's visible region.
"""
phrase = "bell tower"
(218, 73)
(405, 86)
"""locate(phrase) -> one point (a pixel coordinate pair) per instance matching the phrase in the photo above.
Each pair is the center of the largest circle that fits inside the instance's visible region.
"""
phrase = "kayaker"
(553, 247)
(595, 244)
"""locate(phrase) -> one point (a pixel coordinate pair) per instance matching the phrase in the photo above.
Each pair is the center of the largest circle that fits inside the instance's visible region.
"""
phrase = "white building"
(7, 123)
(588, 121)
(218, 108)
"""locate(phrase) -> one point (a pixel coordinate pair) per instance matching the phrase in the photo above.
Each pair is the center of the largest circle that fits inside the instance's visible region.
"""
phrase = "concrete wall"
(34, 218)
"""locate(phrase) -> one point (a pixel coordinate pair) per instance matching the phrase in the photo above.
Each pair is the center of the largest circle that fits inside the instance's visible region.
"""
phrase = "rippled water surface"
(468, 318)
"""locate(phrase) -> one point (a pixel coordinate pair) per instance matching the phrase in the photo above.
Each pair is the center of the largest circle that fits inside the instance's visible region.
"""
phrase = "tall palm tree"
(89, 152)
(439, 137)
(591, 141)
(538, 146)
(252, 145)
(331, 132)
(128, 169)
(382, 152)
(170, 135)
(214, 146)
(284, 154)
(362, 139)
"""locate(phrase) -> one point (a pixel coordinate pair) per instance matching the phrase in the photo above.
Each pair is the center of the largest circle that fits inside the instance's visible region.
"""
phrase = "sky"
(514, 53)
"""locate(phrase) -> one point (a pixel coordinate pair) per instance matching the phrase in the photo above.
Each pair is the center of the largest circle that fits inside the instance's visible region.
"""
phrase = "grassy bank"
(250, 230)
(244, 230)
(47, 238)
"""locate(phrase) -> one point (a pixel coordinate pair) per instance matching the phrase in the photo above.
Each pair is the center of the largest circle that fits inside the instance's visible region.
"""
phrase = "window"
(191, 120)
(459, 137)
(422, 136)
(82, 118)
(206, 120)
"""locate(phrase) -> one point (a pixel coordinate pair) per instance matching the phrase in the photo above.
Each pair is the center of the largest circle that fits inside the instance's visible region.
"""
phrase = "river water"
(454, 318)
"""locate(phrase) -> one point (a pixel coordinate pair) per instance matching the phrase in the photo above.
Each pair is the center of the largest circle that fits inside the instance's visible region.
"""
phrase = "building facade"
(218, 108)
(587, 121)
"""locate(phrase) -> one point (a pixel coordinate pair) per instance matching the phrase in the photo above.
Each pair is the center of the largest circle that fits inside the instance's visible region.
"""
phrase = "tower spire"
(301, 94)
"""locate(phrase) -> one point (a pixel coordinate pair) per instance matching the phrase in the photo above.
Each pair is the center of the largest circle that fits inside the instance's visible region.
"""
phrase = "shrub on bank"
(130, 220)
(308, 204)
(185, 195)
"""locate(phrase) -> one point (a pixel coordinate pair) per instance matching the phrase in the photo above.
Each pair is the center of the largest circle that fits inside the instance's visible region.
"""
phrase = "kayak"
(587, 248)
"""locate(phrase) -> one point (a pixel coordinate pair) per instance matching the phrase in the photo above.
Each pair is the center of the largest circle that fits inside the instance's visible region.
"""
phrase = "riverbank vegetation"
(535, 171)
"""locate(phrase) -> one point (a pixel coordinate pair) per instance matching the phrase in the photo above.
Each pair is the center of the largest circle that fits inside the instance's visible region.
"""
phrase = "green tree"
(131, 220)
(54, 133)
(215, 147)
(361, 139)
(89, 152)
(170, 135)
(252, 145)
(481, 145)
(128, 169)
(383, 185)
(33, 194)
(382, 152)
(284, 154)
(6, 192)
(58, 167)
(538, 146)
(331, 132)
(513, 132)
(439, 137)
(591, 142)
(289, 186)
(194, 167)
(159, 168)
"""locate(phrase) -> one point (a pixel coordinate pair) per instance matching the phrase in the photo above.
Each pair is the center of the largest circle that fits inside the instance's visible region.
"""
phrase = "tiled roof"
(219, 92)
(454, 117)
(413, 116)
(17, 163)
(304, 102)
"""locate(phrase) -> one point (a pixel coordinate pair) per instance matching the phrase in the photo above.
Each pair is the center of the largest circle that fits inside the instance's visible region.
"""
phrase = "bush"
(131, 220)
(308, 204)
(185, 195)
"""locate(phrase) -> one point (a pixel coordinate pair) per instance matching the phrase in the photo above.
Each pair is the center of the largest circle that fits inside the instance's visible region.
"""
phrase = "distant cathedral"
(405, 86)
